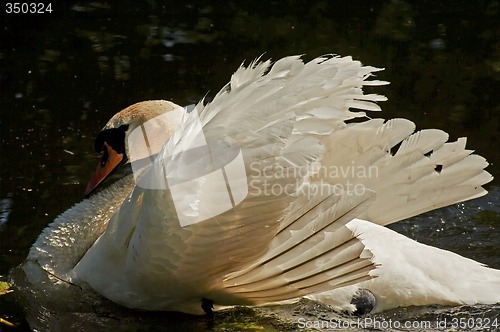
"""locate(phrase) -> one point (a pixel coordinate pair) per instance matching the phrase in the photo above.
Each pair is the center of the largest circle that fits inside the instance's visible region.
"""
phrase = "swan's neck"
(64, 242)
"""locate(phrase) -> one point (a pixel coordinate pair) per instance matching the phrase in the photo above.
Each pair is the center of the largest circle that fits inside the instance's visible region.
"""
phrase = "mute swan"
(252, 199)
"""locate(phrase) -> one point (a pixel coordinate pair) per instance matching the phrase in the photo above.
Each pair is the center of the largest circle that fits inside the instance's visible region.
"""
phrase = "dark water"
(63, 74)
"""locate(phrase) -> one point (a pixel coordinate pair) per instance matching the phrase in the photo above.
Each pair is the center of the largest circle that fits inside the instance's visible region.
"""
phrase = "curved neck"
(63, 243)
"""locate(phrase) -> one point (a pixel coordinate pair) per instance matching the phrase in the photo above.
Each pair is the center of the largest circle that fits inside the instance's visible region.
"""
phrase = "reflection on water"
(63, 75)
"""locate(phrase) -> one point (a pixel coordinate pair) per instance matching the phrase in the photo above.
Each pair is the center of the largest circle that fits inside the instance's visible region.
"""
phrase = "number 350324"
(28, 8)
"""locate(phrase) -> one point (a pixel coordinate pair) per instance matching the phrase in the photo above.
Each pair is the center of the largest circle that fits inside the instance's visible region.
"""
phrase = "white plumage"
(411, 273)
(290, 121)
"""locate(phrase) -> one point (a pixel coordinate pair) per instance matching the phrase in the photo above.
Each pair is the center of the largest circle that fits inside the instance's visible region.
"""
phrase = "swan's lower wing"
(253, 252)
(313, 251)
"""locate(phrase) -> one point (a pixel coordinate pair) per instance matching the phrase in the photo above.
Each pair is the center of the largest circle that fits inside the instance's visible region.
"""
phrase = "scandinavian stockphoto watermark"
(275, 180)
(382, 324)
(207, 177)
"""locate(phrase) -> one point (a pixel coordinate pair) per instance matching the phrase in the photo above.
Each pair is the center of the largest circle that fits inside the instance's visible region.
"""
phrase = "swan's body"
(145, 245)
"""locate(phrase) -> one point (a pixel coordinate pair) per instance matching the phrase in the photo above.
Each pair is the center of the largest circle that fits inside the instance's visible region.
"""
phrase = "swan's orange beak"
(110, 161)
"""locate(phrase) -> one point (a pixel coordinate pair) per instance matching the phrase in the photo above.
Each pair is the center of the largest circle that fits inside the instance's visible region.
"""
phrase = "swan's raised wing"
(228, 211)
(411, 172)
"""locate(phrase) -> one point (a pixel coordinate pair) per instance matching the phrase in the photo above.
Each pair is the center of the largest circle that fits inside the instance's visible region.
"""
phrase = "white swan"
(249, 200)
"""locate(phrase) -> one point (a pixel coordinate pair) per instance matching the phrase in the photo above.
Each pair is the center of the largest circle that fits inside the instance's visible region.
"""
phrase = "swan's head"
(112, 142)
